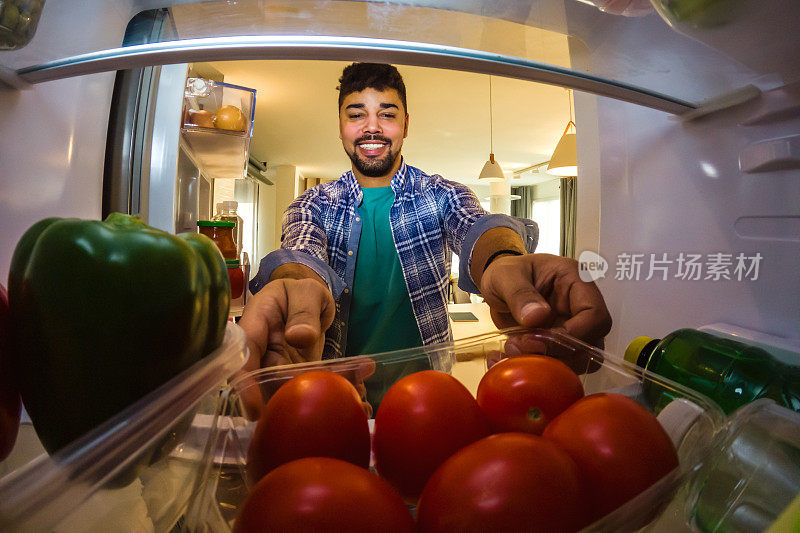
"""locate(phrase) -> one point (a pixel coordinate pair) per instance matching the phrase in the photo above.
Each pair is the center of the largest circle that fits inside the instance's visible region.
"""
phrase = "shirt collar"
(399, 179)
(352, 187)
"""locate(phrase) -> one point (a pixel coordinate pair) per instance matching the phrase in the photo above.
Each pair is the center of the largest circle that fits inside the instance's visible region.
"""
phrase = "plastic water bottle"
(753, 476)
(729, 372)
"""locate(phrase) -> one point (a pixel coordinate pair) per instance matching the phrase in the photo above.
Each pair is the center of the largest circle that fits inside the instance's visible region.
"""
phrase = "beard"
(373, 167)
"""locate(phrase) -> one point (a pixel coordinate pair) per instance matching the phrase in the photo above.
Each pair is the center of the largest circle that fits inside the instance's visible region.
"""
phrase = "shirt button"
(346, 291)
(350, 252)
(358, 219)
(342, 323)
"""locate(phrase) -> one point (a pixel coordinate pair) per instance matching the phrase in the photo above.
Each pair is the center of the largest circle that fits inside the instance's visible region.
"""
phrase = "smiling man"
(364, 263)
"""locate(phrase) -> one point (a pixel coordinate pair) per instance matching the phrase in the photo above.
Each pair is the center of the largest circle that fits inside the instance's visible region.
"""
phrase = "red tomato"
(10, 403)
(315, 414)
(619, 446)
(422, 420)
(526, 393)
(505, 482)
(322, 494)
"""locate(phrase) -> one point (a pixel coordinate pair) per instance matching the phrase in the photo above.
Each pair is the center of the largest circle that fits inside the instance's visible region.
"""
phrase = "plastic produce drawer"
(693, 421)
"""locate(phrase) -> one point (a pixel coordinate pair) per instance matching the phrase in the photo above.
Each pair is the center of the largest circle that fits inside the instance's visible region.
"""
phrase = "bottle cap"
(677, 417)
(230, 205)
(635, 348)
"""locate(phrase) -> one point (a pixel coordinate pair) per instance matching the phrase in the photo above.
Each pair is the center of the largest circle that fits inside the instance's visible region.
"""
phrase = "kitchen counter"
(470, 370)
(484, 324)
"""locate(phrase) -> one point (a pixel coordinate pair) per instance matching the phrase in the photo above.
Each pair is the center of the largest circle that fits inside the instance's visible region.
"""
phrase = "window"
(547, 213)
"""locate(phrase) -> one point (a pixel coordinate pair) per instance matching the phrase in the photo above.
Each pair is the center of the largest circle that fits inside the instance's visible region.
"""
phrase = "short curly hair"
(379, 76)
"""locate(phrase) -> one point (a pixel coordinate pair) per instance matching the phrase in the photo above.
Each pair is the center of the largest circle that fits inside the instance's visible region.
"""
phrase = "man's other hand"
(545, 291)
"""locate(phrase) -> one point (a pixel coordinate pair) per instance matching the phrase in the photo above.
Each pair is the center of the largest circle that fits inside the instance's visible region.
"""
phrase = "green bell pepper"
(104, 312)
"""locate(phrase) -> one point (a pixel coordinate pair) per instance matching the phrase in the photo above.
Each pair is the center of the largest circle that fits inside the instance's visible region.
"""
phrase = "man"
(364, 262)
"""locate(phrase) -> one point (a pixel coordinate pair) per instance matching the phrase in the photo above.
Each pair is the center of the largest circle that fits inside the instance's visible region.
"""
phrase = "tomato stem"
(535, 414)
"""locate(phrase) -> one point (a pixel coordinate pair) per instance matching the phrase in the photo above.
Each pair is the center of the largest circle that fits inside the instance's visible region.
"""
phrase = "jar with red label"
(236, 276)
(221, 232)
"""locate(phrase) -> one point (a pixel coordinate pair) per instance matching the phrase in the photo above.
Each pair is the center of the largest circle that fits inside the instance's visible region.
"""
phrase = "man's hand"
(545, 291)
(285, 323)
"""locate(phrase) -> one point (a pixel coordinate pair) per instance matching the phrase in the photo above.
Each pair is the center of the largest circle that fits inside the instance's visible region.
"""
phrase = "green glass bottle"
(728, 371)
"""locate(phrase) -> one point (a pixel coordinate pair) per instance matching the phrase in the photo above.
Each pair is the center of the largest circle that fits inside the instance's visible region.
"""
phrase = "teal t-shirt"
(381, 316)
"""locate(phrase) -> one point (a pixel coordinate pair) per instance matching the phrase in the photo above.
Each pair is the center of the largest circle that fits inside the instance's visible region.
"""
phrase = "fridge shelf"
(220, 154)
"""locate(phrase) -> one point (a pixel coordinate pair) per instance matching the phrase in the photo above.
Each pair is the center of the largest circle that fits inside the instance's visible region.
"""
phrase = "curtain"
(568, 212)
(522, 208)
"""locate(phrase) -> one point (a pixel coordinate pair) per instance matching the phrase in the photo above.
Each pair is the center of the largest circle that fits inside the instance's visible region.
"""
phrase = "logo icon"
(591, 266)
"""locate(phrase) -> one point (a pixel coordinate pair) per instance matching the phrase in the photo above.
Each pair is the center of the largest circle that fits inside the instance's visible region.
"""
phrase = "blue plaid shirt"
(431, 219)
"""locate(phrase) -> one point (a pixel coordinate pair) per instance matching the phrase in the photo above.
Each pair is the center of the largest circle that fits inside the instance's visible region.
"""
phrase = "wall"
(672, 188)
(652, 185)
(268, 221)
(287, 184)
(587, 218)
(547, 190)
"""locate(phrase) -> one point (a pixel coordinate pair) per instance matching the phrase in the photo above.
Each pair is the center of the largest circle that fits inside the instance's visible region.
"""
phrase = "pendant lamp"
(565, 157)
(491, 170)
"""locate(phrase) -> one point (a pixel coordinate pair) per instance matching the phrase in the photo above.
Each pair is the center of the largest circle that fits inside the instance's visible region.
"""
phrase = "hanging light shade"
(491, 170)
(565, 157)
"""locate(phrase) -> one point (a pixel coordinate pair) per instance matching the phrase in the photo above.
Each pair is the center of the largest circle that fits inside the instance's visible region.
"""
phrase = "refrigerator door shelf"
(219, 154)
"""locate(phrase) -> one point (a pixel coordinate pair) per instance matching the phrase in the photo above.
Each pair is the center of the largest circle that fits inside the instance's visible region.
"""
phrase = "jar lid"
(232, 263)
(215, 223)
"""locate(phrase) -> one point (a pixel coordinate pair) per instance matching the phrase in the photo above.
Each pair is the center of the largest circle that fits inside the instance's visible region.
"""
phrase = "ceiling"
(296, 119)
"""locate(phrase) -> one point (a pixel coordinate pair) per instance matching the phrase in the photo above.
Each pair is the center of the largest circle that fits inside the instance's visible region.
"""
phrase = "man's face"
(372, 126)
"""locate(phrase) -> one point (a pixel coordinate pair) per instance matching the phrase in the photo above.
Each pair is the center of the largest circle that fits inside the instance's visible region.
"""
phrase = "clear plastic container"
(135, 472)
(694, 429)
(216, 127)
(18, 21)
(755, 474)
(223, 107)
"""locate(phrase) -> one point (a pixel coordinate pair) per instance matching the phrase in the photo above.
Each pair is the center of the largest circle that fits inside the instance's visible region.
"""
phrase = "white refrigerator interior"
(688, 135)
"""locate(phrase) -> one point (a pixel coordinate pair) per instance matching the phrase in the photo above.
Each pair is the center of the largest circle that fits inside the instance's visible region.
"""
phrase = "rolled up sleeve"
(465, 221)
(527, 229)
(282, 256)
(303, 241)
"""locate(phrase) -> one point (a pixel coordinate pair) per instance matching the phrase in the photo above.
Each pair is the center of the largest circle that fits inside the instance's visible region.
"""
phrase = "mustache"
(365, 138)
